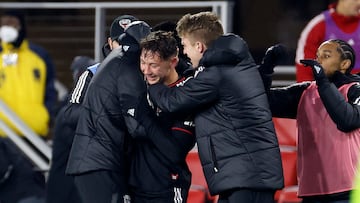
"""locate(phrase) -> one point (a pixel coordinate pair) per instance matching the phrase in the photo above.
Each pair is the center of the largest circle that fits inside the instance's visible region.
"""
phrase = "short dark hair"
(160, 42)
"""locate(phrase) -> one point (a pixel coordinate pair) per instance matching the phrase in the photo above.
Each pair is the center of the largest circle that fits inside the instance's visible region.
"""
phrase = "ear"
(344, 65)
(110, 43)
(174, 61)
(200, 47)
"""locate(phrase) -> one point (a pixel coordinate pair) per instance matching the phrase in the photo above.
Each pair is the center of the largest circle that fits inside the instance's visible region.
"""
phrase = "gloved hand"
(272, 58)
(134, 33)
(317, 69)
(139, 119)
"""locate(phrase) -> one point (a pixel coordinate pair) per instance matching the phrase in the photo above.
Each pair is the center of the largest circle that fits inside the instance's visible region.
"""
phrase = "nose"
(318, 59)
(145, 69)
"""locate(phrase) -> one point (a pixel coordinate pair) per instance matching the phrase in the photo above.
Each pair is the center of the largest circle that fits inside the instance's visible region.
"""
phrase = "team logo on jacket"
(2, 77)
(199, 70)
(36, 73)
(124, 22)
(10, 59)
(131, 112)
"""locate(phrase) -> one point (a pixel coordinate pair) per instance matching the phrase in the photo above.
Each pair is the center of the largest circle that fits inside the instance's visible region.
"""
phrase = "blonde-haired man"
(234, 130)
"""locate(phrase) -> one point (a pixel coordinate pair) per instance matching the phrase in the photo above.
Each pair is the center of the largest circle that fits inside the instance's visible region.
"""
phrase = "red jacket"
(314, 34)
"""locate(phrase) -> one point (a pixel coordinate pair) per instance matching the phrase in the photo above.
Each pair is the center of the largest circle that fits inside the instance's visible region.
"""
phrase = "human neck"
(172, 78)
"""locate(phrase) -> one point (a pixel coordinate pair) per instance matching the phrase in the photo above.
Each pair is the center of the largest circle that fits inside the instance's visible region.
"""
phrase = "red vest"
(327, 157)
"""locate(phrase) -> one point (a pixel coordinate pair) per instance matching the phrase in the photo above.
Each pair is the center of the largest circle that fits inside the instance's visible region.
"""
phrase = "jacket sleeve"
(173, 139)
(195, 92)
(73, 107)
(284, 101)
(174, 143)
(345, 114)
(50, 91)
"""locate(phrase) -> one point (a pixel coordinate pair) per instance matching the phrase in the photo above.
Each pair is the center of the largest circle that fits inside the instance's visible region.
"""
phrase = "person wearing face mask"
(28, 69)
(27, 88)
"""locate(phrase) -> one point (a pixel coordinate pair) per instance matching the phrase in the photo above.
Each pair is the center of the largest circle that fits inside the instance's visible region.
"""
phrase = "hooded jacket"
(102, 141)
(236, 138)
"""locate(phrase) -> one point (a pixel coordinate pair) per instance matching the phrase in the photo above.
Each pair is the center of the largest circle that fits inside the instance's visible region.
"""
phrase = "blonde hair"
(204, 27)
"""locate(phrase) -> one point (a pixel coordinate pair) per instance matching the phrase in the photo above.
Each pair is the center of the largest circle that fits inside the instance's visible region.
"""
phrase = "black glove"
(273, 56)
(134, 33)
(317, 69)
(140, 118)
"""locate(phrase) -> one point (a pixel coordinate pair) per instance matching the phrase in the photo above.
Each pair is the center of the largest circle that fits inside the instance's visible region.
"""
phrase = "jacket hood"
(229, 49)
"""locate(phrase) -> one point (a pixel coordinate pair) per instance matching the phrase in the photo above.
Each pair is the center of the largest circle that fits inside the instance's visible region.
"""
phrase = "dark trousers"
(102, 186)
(61, 187)
(341, 197)
(247, 196)
(179, 195)
(19, 182)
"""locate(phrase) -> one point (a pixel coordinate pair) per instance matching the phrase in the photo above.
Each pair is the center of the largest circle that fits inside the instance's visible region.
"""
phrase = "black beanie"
(119, 24)
(79, 65)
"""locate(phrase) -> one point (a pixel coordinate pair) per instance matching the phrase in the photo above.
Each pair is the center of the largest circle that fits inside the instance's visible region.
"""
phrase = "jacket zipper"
(213, 156)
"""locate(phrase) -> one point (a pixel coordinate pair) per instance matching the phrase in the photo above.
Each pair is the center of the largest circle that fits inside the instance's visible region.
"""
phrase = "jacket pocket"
(213, 156)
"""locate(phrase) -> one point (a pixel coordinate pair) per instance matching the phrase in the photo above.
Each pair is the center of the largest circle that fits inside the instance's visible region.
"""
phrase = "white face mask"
(8, 34)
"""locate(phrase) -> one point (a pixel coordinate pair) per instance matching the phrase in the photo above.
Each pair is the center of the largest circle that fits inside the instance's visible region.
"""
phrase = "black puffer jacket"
(235, 134)
(102, 140)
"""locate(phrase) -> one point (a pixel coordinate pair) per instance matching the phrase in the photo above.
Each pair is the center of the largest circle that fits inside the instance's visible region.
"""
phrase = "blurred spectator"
(61, 188)
(27, 88)
(27, 75)
(340, 21)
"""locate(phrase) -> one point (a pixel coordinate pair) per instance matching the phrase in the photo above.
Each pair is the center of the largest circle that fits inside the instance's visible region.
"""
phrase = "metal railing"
(30, 135)
(281, 72)
(221, 8)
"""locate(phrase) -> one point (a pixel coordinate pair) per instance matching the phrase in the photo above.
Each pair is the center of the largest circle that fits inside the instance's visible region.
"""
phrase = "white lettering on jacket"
(200, 69)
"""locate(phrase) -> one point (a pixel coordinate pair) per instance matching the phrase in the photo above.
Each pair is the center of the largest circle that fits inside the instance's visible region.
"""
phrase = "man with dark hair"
(169, 26)
(159, 172)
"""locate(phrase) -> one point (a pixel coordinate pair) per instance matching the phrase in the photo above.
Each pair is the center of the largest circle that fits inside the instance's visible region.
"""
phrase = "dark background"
(66, 33)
